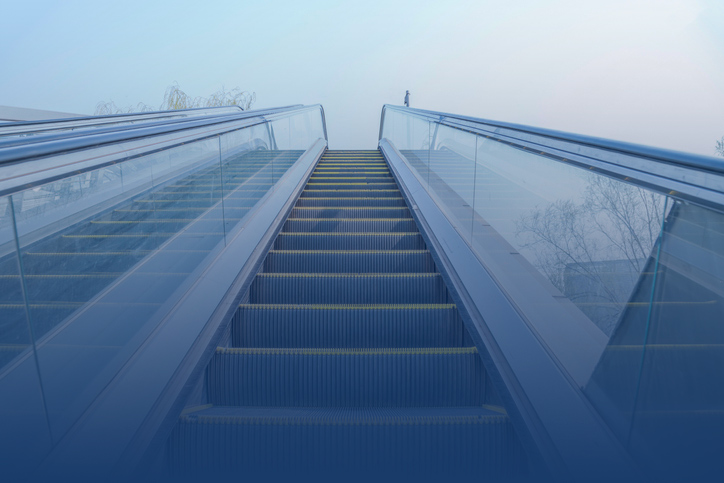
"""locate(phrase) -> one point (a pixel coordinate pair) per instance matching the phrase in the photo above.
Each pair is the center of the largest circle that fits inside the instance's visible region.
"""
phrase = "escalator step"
(349, 261)
(357, 202)
(349, 241)
(369, 192)
(421, 325)
(337, 377)
(338, 444)
(350, 212)
(349, 225)
(343, 288)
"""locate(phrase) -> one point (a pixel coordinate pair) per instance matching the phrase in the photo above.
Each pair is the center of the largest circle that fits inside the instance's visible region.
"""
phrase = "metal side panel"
(116, 431)
(550, 413)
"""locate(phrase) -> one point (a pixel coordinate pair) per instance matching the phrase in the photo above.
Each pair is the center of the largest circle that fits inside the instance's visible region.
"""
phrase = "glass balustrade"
(638, 271)
(94, 258)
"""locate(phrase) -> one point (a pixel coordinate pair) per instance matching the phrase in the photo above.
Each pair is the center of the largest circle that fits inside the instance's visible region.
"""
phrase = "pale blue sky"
(646, 71)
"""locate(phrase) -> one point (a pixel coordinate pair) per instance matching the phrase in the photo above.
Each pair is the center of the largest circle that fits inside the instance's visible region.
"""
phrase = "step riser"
(344, 226)
(341, 212)
(351, 202)
(352, 185)
(348, 328)
(433, 452)
(346, 380)
(349, 242)
(348, 290)
(350, 175)
(349, 262)
(357, 193)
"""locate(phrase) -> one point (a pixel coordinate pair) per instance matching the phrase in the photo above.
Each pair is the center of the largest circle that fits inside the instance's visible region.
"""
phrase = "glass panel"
(108, 253)
(588, 234)
(15, 336)
(125, 238)
(659, 381)
(452, 175)
(624, 284)
(415, 144)
(25, 435)
(247, 165)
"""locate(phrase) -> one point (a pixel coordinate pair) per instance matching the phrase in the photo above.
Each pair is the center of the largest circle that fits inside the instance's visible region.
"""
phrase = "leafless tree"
(613, 229)
(175, 98)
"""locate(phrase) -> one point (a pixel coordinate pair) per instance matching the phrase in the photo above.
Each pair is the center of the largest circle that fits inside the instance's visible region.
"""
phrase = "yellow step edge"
(350, 252)
(350, 351)
(350, 219)
(339, 275)
(399, 233)
(350, 208)
(349, 306)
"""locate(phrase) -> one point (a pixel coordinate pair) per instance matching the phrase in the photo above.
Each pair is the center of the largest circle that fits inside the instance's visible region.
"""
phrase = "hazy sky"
(646, 71)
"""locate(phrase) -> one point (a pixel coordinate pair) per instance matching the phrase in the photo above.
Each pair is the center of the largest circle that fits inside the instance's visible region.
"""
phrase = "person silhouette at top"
(407, 98)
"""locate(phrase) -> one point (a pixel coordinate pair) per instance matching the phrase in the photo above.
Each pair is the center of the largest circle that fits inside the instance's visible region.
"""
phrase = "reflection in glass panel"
(452, 175)
(25, 437)
(415, 147)
(644, 271)
(588, 234)
(107, 254)
(99, 265)
(15, 335)
(659, 381)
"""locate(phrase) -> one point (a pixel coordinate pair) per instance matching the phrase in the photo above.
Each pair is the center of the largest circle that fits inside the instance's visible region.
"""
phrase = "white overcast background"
(643, 71)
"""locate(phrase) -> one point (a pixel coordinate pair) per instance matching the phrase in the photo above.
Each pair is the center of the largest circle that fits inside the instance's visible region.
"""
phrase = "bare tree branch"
(174, 98)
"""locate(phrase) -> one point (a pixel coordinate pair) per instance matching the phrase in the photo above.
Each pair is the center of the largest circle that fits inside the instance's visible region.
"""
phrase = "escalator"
(347, 356)
(64, 271)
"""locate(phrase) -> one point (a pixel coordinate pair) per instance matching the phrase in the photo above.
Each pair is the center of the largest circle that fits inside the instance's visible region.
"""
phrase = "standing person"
(407, 98)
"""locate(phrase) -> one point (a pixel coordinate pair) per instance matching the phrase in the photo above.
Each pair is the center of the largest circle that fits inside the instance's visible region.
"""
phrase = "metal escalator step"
(378, 178)
(354, 225)
(358, 202)
(347, 377)
(354, 261)
(369, 192)
(349, 241)
(341, 444)
(348, 288)
(352, 185)
(411, 325)
(321, 169)
(350, 212)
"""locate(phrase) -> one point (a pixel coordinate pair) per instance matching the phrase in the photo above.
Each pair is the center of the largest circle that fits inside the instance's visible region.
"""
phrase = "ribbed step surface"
(349, 241)
(348, 288)
(345, 326)
(346, 444)
(351, 261)
(349, 225)
(352, 377)
(348, 357)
